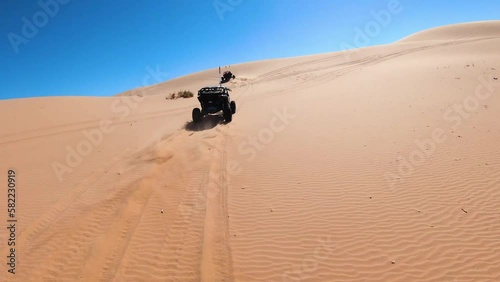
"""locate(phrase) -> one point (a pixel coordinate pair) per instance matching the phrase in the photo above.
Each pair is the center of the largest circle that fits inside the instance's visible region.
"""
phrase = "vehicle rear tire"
(197, 115)
(228, 114)
(233, 107)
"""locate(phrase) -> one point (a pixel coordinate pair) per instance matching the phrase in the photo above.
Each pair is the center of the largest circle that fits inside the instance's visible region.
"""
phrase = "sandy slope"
(358, 166)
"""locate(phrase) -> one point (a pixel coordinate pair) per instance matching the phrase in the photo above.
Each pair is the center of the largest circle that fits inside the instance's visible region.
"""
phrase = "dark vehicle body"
(226, 76)
(213, 100)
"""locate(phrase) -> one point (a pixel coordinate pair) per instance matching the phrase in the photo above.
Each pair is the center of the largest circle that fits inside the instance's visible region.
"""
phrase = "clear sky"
(102, 48)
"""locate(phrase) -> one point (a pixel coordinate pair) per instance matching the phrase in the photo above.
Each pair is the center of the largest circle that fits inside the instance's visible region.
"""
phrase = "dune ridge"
(484, 29)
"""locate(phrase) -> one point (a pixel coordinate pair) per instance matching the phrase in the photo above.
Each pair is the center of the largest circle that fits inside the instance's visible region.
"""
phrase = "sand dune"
(379, 164)
(487, 29)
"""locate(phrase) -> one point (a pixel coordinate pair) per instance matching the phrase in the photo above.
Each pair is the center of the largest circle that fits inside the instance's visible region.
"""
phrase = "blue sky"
(102, 48)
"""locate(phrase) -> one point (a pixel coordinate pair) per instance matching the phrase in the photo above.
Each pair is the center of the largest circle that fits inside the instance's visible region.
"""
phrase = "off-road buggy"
(213, 100)
(226, 76)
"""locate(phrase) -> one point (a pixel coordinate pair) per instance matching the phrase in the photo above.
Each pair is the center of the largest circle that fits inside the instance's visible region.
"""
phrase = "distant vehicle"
(213, 100)
(226, 76)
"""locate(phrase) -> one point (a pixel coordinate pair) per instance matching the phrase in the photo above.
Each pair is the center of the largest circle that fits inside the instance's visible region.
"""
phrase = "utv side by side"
(213, 100)
(226, 76)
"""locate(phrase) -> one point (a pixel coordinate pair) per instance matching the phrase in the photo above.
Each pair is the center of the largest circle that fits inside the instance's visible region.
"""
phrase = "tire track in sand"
(216, 262)
(193, 243)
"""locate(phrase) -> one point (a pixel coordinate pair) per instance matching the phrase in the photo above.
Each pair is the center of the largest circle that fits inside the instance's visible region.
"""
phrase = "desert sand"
(375, 164)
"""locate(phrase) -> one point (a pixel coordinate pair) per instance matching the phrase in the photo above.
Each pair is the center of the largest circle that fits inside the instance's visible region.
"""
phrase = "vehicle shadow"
(206, 123)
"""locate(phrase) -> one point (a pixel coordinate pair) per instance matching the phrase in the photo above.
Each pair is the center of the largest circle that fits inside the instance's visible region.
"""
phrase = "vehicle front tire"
(233, 107)
(197, 115)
